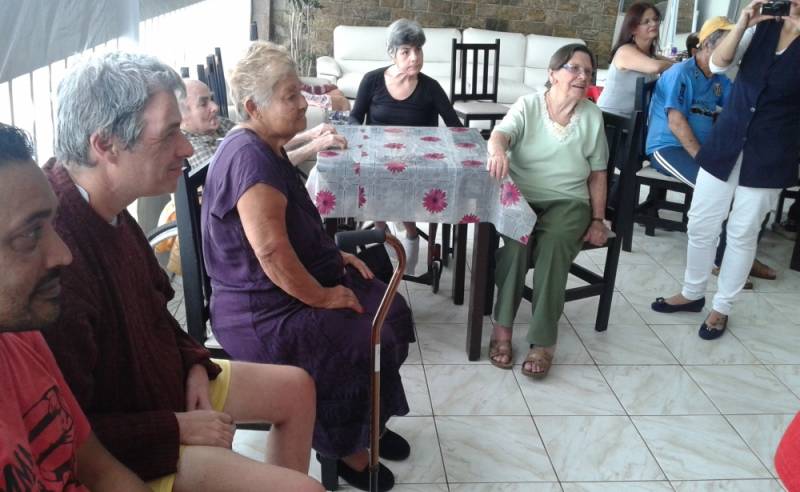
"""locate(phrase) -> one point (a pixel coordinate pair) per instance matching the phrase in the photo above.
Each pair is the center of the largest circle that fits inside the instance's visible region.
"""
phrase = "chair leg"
(330, 472)
(446, 228)
(609, 279)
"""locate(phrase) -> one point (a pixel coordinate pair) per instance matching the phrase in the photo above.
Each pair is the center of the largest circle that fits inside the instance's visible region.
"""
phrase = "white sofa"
(358, 50)
(523, 59)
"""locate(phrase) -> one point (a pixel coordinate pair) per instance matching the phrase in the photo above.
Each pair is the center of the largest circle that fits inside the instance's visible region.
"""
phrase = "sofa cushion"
(538, 51)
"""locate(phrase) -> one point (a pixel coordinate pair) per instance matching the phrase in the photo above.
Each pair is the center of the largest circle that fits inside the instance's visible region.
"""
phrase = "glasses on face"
(576, 70)
(654, 21)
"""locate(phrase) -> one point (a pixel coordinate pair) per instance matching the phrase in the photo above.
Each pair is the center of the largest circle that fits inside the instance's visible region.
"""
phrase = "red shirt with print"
(41, 425)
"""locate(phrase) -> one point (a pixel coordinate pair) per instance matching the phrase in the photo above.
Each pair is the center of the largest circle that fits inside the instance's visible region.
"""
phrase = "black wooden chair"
(622, 134)
(647, 213)
(474, 75)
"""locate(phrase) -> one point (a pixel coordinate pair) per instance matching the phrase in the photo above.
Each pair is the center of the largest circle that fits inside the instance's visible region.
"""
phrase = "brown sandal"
(760, 270)
(540, 357)
(499, 348)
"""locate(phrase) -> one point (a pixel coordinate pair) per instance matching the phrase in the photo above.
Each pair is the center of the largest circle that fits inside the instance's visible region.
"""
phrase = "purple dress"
(255, 320)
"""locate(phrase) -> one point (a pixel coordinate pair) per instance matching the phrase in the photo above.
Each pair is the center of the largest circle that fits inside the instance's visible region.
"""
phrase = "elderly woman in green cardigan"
(554, 147)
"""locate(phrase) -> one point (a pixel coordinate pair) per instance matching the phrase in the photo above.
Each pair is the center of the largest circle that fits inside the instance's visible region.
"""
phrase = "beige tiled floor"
(644, 406)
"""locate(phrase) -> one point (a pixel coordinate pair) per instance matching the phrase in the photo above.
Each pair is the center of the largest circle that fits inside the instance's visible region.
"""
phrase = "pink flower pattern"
(524, 239)
(509, 194)
(362, 197)
(435, 200)
(434, 156)
(396, 167)
(430, 138)
(459, 129)
(326, 202)
(472, 163)
(469, 219)
(393, 130)
(328, 153)
(357, 168)
(394, 145)
(465, 145)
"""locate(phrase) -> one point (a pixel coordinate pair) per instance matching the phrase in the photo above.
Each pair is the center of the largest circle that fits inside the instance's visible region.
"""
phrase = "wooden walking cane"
(377, 324)
(347, 241)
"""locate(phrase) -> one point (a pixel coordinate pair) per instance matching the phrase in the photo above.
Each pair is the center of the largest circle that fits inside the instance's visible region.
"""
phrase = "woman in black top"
(401, 95)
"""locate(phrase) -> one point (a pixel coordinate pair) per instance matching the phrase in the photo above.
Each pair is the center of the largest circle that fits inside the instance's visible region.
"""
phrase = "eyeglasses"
(576, 70)
(645, 22)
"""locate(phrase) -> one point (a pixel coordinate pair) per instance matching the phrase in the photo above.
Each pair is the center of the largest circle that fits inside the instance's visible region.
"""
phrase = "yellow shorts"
(218, 394)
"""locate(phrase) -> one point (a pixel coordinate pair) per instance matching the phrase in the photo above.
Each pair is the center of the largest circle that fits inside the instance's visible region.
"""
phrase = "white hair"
(255, 76)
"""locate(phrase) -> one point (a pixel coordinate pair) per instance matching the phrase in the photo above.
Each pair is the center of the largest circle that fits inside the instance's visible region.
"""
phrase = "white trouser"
(710, 205)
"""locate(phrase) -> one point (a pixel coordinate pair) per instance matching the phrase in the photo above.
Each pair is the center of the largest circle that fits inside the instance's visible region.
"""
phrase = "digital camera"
(778, 8)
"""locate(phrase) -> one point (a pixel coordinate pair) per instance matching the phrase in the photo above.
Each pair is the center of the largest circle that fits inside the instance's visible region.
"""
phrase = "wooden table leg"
(460, 247)
(477, 290)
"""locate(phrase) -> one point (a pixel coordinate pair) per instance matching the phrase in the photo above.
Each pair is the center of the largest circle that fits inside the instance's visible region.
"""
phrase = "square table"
(423, 174)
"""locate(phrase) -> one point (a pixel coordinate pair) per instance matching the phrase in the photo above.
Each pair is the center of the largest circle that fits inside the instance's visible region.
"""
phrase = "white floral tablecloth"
(424, 174)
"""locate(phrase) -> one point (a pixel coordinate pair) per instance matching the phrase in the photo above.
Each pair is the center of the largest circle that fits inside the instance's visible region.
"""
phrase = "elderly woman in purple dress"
(282, 292)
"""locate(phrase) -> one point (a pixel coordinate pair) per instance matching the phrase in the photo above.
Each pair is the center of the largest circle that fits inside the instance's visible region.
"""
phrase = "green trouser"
(556, 240)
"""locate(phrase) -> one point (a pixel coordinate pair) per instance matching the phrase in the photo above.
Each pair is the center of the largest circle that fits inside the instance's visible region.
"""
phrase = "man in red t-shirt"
(45, 440)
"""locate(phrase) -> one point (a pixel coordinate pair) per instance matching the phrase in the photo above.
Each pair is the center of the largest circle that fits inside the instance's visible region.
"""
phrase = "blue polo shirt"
(685, 88)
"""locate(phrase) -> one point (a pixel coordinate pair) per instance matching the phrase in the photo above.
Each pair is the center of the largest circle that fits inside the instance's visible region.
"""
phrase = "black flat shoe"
(661, 306)
(393, 446)
(714, 333)
(360, 479)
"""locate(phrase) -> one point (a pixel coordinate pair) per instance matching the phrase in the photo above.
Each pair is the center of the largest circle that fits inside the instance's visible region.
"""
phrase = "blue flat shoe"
(712, 332)
(662, 306)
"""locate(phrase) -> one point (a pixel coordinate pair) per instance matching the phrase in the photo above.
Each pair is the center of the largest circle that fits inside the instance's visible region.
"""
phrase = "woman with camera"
(749, 157)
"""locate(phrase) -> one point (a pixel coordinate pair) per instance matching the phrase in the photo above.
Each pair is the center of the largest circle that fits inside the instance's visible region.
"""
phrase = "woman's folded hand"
(359, 265)
(340, 297)
(597, 234)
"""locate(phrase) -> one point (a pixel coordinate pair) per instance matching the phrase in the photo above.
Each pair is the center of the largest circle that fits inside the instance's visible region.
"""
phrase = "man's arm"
(100, 472)
(679, 126)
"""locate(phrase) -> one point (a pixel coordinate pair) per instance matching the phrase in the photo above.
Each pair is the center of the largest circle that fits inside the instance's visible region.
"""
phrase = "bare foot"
(501, 334)
(536, 368)
(714, 319)
(677, 300)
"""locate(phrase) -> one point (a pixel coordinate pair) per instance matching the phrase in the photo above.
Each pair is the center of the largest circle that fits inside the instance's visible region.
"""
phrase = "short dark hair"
(15, 145)
(564, 54)
(692, 43)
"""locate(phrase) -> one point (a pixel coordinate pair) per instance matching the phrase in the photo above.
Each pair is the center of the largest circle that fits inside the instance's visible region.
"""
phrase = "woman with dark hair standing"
(634, 55)
(750, 155)
(553, 144)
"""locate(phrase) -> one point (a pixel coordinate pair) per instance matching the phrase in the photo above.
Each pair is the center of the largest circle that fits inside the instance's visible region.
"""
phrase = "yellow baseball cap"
(713, 25)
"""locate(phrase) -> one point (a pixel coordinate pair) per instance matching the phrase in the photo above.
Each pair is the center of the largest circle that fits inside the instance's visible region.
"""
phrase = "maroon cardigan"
(121, 351)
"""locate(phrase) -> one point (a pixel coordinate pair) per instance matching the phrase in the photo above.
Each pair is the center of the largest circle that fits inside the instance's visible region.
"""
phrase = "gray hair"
(255, 76)
(404, 31)
(712, 39)
(107, 94)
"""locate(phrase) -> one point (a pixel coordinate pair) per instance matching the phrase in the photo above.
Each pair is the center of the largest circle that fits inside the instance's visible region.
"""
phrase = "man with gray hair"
(152, 394)
(203, 127)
